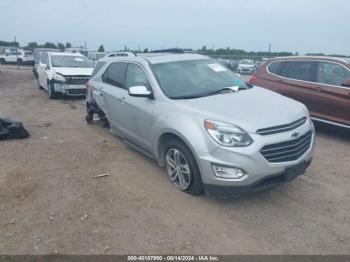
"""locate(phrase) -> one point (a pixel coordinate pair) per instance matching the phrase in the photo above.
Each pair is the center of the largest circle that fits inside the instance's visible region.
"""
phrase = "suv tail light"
(252, 79)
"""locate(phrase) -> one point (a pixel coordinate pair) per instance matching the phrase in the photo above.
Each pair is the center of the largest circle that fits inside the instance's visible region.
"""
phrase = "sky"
(303, 26)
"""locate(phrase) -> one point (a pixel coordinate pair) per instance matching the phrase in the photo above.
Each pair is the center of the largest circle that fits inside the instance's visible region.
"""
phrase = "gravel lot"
(49, 202)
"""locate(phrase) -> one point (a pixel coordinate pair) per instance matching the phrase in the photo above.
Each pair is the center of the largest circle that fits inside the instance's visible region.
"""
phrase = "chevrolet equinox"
(211, 131)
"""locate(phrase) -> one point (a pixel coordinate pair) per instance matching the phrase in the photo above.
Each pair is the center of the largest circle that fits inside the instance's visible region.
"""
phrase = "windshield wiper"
(214, 92)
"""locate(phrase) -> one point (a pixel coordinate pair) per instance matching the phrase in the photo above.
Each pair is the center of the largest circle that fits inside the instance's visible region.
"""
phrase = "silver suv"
(211, 131)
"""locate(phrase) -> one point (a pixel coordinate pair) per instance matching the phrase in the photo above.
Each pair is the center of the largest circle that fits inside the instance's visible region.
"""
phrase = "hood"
(73, 71)
(249, 109)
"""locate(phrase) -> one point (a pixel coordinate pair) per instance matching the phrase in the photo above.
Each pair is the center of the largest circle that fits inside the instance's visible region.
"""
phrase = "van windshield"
(195, 78)
(71, 61)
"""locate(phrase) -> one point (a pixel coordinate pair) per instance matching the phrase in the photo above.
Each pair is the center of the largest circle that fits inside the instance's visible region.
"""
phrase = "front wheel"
(182, 168)
(2, 61)
(52, 93)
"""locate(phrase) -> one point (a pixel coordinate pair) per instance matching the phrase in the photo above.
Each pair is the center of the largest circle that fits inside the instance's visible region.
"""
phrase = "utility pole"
(16, 54)
(269, 50)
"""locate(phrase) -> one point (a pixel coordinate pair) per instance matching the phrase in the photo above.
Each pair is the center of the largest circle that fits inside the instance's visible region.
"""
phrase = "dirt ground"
(49, 202)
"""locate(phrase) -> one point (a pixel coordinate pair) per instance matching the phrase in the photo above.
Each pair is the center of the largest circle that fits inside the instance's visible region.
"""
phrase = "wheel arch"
(163, 141)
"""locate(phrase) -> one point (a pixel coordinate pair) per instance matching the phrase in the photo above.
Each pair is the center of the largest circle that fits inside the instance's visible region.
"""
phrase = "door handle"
(317, 89)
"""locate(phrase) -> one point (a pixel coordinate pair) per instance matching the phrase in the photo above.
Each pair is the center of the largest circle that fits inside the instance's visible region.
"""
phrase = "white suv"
(11, 56)
(64, 73)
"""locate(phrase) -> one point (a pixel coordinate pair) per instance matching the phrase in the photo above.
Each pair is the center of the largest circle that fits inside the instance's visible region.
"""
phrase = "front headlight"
(58, 78)
(227, 135)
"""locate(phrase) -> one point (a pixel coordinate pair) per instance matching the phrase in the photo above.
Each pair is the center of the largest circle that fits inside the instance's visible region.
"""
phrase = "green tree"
(5, 43)
(32, 45)
(61, 46)
(101, 49)
(49, 45)
(68, 45)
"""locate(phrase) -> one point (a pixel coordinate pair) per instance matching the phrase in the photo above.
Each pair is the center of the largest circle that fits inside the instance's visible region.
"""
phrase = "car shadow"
(332, 131)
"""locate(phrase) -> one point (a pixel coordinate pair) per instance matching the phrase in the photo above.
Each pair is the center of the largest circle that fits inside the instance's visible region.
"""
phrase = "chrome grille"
(287, 151)
(281, 128)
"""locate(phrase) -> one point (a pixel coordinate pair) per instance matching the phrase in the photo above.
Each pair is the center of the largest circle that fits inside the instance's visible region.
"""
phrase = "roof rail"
(170, 50)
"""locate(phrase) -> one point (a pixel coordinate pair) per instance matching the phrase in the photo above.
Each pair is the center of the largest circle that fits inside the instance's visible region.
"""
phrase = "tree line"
(227, 52)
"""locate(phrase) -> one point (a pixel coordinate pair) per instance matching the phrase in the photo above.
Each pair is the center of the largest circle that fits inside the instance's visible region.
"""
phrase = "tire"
(39, 86)
(51, 89)
(185, 169)
(2, 61)
(89, 118)
(20, 61)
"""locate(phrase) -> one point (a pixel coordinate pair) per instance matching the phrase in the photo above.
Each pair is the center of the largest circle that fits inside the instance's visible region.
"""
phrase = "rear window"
(274, 67)
(97, 68)
(299, 70)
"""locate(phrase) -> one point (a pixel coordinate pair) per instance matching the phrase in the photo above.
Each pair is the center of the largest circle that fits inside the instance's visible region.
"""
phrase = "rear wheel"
(20, 61)
(182, 168)
(2, 61)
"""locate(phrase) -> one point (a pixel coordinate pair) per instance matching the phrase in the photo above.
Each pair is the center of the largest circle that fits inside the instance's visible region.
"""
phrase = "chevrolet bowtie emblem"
(295, 134)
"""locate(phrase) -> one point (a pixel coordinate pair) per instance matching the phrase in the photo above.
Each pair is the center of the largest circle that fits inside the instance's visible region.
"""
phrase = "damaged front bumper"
(70, 90)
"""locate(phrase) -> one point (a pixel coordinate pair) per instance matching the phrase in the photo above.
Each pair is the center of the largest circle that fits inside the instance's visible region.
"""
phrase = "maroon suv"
(321, 83)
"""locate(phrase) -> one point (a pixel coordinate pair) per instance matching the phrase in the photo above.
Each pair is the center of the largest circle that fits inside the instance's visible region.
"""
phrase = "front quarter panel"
(188, 127)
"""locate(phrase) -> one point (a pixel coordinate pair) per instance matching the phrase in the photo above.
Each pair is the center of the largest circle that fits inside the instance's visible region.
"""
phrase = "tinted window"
(300, 70)
(115, 74)
(274, 67)
(136, 77)
(97, 68)
(331, 73)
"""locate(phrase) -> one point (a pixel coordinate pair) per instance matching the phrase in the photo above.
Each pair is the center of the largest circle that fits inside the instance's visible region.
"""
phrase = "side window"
(115, 74)
(331, 73)
(136, 77)
(300, 70)
(97, 68)
(43, 59)
(274, 67)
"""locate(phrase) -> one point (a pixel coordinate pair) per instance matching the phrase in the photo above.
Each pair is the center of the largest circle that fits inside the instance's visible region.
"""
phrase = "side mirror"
(139, 91)
(346, 83)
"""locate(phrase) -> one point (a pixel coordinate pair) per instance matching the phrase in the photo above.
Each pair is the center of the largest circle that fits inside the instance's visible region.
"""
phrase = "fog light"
(228, 172)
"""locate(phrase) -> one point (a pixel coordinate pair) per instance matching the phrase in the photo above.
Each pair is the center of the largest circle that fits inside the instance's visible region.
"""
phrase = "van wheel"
(51, 89)
(20, 61)
(2, 61)
(182, 168)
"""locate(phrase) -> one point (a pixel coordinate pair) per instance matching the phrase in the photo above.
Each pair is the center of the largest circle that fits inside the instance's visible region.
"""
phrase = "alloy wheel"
(178, 169)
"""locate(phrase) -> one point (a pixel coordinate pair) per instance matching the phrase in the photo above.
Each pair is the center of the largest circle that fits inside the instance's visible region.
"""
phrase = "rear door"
(295, 80)
(113, 94)
(335, 99)
(42, 78)
(137, 118)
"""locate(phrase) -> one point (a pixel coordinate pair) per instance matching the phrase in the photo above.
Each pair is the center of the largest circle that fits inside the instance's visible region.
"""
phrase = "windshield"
(247, 62)
(70, 61)
(195, 78)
